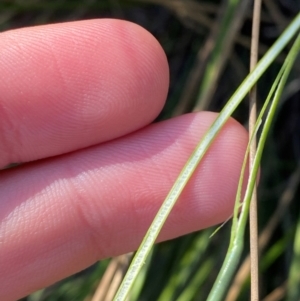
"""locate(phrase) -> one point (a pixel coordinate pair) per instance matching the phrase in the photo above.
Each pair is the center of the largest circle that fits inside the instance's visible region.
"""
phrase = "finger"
(61, 215)
(68, 86)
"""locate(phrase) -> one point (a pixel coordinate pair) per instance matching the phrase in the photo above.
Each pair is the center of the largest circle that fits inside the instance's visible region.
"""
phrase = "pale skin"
(76, 105)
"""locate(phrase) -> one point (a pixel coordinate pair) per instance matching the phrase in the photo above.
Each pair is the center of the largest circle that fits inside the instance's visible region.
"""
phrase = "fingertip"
(208, 198)
(72, 85)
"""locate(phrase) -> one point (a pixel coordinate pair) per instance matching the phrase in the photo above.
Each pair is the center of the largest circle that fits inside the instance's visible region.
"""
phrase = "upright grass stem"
(252, 119)
(196, 157)
(239, 223)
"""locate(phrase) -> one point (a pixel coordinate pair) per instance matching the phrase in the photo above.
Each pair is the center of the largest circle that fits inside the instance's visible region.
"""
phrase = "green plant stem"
(197, 155)
(238, 226)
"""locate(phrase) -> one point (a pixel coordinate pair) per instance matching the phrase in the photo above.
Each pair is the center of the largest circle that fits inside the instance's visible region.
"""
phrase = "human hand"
(76, 100)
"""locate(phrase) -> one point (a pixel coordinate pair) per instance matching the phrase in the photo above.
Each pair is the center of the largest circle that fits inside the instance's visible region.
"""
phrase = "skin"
(76, 103)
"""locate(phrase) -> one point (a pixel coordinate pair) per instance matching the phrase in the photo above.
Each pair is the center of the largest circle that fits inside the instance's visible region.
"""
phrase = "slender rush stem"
(252, 119)
(197, 155)
(238, 225)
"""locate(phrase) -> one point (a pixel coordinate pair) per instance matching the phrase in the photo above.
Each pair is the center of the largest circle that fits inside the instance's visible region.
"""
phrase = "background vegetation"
(207, 63)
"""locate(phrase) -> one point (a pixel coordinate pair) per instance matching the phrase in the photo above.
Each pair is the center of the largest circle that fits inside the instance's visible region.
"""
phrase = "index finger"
(67, 86)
